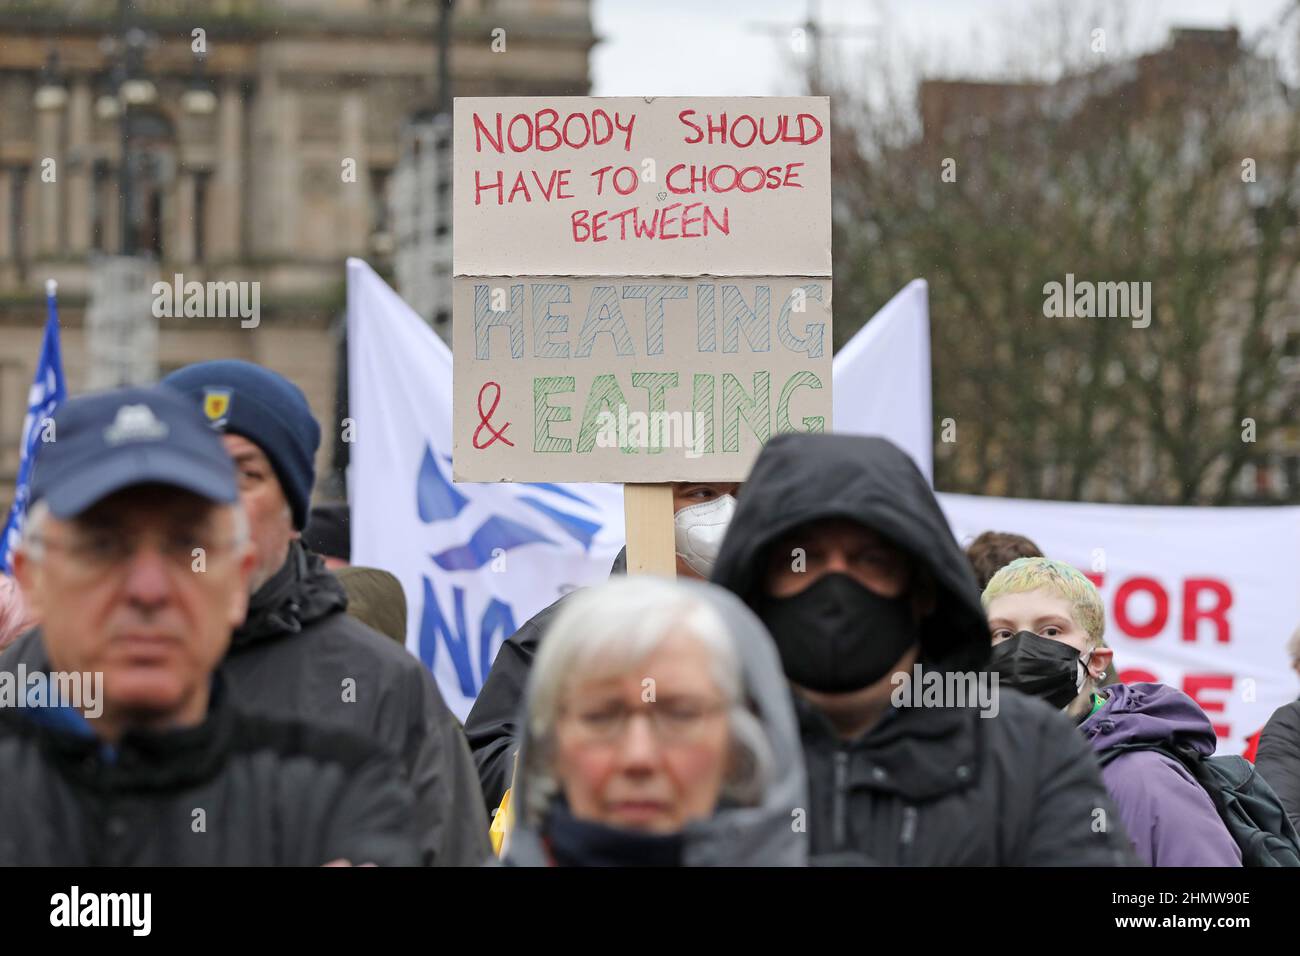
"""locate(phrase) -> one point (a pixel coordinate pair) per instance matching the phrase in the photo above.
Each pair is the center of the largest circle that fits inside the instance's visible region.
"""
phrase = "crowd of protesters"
(254, 703)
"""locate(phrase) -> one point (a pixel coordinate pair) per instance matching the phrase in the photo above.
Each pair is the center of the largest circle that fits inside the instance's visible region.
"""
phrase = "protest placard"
(646, 379)
(642, 186)
(642, 286)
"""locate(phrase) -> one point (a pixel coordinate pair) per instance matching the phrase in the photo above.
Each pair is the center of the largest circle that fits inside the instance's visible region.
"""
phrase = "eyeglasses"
(677, 721)
(98, 552)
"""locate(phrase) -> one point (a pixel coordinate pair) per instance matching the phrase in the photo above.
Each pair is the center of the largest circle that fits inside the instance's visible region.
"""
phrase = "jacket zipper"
(908, 833)
(840, 829)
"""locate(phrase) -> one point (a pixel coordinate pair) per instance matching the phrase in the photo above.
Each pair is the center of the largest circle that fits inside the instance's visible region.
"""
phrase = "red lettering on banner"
(666, 223)
(1135, 675)
(548, 128)
(753, 130)
(579, 221)
(523, 131)
(719, 127)
(1158, 619)
(520, 184)
(1196, 684)
(1218, 613)
(499, 186)
(687, 220)
(631, 187)
(783, 128)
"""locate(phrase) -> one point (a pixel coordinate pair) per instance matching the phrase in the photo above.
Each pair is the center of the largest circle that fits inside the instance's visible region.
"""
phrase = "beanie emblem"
(216, 405)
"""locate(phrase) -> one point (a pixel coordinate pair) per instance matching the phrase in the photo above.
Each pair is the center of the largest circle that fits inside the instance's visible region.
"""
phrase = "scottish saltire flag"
(47, 391)
(475, 560)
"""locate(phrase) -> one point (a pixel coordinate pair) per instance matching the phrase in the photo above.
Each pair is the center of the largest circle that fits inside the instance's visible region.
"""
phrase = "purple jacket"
(1168, 815)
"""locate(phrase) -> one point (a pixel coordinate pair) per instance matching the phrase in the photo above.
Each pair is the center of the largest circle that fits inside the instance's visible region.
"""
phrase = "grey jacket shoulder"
(1278, 757)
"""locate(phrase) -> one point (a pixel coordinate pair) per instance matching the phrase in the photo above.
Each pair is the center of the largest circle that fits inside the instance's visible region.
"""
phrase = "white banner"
(1202, 599)
(882, 377)
(475, 561)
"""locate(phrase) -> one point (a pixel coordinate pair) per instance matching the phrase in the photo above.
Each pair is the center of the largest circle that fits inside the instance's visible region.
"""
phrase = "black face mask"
(838, 636)
(1038, 666)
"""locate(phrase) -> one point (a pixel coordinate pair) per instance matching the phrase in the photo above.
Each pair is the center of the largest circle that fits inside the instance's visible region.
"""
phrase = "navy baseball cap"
(108, 441)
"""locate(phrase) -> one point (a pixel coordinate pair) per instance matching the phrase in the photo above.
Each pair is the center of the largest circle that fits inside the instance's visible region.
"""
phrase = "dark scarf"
(574, 842)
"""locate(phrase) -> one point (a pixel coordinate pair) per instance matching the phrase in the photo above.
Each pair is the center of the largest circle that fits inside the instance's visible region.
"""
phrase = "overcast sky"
(743, 47)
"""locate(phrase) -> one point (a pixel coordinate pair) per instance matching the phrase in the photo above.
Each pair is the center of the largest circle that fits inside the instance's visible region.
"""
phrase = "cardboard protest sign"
(642, 286)
(642, 186)
(646, 379)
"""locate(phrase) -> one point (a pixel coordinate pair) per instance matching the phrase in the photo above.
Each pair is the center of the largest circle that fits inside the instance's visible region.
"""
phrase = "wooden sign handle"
(648, 513)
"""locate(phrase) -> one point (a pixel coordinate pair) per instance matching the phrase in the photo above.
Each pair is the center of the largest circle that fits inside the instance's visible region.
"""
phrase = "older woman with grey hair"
(658, 730)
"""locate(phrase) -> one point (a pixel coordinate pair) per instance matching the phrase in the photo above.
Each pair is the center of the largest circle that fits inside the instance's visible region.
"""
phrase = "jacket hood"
(1136, 715)
(800, 478)
(762, 835)
(302, 592)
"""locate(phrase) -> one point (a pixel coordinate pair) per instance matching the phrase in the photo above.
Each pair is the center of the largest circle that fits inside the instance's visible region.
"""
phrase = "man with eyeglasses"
(136, 557)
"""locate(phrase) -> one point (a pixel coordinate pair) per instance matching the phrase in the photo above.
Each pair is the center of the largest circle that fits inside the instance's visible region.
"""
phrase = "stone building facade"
(274, 174)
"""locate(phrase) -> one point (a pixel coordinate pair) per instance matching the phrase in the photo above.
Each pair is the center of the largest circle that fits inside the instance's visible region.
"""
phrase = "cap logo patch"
(216, 405)
(134, 423)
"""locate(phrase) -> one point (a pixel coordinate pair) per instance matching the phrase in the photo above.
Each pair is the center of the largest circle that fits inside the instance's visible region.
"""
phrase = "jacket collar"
(300, 593)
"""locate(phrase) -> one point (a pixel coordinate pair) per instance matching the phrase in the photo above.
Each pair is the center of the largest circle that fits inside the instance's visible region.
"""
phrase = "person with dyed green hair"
(1047, 632)
(1047, 623)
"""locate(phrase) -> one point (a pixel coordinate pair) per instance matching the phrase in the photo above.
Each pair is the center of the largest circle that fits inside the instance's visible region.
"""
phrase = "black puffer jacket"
(233, 791)
(299, 656)
(927, 785)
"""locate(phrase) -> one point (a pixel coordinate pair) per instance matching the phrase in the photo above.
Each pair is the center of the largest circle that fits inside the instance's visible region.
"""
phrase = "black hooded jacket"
(233, 791)
(299, 656)
(926, 785)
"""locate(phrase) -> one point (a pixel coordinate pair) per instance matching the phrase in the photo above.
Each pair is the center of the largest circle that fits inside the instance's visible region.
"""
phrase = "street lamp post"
(127, 87)
(121, 331)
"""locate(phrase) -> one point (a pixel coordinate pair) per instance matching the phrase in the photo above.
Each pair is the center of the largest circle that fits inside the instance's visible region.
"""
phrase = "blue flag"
(48, 390)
